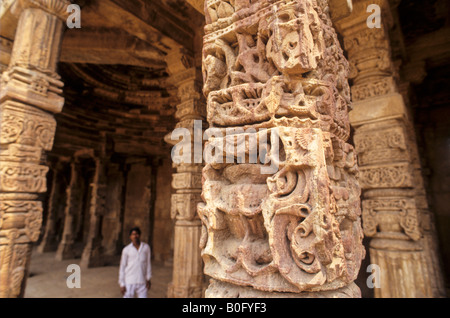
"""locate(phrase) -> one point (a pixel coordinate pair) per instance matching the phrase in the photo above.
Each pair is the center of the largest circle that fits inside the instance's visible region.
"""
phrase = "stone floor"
(47, 279)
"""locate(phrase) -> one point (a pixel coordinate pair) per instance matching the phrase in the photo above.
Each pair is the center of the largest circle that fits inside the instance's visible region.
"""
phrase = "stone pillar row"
(395, 211)
(92, 254)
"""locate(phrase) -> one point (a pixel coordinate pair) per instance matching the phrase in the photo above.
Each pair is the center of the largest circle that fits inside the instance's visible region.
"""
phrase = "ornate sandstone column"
(187, 279)
(30, 91)
(281, 211)
(394, 211)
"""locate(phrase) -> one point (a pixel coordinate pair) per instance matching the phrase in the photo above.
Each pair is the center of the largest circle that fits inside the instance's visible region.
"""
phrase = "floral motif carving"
(381, 145)
(386, 176)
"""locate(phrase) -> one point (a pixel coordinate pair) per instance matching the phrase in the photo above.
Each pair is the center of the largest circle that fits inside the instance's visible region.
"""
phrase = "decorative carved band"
(26, 125)
(23, 177)
(21, 217)
(381, 145)
(391, 217)
(381, 87)
(386, 176)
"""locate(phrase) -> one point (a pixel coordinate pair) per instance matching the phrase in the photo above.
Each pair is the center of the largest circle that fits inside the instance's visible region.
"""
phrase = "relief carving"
(25, 217)
(26, 126)
(23, 177)
(274, 72)
(392, 206)
(394, 218)
(373, 89)
(386, 176)
(381, 145)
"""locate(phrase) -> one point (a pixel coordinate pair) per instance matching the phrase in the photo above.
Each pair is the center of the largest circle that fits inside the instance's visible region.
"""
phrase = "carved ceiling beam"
(109, 46)
(149, 21)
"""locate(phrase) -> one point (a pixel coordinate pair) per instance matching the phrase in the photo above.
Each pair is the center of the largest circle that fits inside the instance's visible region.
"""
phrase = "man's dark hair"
(136, 229)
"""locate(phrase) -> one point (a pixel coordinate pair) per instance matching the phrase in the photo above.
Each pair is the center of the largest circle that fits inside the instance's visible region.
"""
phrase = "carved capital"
(57, 8)
(391, 218)
(184, 206)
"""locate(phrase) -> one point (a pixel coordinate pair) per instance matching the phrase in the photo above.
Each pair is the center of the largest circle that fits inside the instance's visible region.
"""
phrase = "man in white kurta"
(135, 270)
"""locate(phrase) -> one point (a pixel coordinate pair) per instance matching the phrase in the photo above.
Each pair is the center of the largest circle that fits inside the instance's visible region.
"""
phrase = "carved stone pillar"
(49, 242)
(92, 252)
(73, 208)
(281, 211)
(30, 91)
(387, 157)
(187, 279)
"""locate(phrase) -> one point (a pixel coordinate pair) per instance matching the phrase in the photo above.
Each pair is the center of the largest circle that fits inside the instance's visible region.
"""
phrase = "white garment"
(135, 265)
(140, 290)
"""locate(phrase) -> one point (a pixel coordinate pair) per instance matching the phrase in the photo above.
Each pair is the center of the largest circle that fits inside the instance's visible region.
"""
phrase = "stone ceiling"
(125, 108)
(117, 96)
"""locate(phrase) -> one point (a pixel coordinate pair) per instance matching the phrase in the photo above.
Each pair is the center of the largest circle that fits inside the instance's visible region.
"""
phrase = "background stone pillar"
(187, 278)
(275, 79)
(93, 250)
(112, 224)
(393, 202)
(49, 239)
(30, 91)
(73, 208)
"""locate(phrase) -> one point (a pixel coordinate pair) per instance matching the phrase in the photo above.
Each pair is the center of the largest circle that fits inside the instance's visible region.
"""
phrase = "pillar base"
(47, 246)
(92, 257)
(65, 251)
(218, 289)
